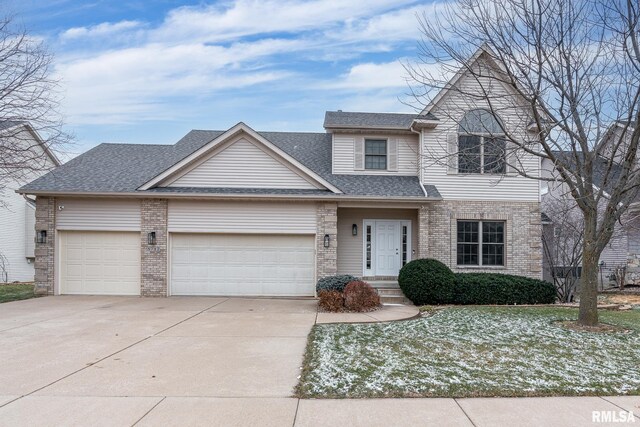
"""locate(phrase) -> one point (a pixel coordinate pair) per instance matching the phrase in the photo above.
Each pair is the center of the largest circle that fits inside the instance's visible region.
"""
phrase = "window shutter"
(511, 158)
(358, 154)
(452, 153)
(392, 153)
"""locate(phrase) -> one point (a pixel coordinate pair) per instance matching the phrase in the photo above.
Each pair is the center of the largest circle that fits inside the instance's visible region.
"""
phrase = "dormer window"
(481, 144)
(375, 154)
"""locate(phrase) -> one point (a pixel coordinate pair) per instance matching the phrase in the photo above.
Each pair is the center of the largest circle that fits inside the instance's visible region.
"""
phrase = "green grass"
(16, 292)
(474, 351)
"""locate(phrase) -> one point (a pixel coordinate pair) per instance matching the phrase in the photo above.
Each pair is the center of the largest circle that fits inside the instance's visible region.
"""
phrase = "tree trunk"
(588, 315)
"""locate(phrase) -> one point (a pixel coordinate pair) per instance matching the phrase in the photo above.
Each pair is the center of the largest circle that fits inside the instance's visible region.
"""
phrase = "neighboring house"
(17, 213)
(623, 249)
(242, 212)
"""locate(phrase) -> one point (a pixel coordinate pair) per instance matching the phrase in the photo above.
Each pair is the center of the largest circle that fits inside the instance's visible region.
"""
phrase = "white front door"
(388, 245)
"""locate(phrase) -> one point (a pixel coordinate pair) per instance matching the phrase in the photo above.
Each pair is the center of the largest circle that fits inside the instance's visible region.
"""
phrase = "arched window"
(481, 143)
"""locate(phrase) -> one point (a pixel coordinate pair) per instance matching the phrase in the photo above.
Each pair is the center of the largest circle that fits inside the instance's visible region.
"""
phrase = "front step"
(392, 296)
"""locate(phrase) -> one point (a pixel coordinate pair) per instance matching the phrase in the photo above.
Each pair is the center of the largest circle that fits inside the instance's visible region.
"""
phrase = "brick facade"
(45, 252)
(326, 223)
(436, 224)
(423, 231)
(523, 233)
(154, 257)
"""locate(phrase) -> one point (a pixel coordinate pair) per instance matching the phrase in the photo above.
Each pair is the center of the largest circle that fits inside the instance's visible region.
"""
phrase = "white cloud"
(130, 70)
(118, 84)
(240, 18)
(100, 30)
(371, 76)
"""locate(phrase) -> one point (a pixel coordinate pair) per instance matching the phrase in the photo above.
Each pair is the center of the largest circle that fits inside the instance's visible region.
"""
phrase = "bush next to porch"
(428, 281)
(493, 288)
(355, 296)
(334, 283)
(360, 296)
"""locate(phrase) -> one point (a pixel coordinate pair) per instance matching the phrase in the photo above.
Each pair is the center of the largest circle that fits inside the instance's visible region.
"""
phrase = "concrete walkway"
(122, 361)
(386, 313)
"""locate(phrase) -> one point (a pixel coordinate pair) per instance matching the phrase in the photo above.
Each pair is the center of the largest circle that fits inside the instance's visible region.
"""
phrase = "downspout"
(28, 199)
(419, 133)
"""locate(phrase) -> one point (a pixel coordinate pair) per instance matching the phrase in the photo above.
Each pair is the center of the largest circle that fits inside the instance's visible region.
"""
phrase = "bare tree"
(571, 69)
(563, 245)
(29, 105)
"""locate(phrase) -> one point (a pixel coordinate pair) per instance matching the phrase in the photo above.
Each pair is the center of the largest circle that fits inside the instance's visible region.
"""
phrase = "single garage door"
(99, 263)
(242, 264)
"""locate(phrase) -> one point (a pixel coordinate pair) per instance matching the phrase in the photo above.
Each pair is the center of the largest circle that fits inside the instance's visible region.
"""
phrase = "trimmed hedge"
(427, 281)
(334, 283)
(501, 289)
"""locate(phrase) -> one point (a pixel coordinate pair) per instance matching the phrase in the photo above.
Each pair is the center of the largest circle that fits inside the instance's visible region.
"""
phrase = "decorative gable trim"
(482, 50)
(241, 162)
(204, 152)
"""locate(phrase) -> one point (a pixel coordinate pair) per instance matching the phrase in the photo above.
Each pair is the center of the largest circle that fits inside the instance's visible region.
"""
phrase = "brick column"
(154, 257)
(45, 252)
(326, 223)
(423, 231)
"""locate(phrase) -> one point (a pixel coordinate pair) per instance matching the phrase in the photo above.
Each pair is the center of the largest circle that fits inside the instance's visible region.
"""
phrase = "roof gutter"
(244, 196)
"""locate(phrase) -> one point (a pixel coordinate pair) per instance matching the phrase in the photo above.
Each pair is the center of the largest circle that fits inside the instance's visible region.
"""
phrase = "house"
(623, 249)
(244, 212)
(17, 213)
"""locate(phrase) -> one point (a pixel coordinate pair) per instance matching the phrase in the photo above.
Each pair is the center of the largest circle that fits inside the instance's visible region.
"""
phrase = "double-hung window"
(480, 242)
(481, 144)
(375, 154)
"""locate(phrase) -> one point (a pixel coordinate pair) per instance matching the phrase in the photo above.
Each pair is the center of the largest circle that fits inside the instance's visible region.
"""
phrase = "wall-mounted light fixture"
(327, 240)
(354, 229)
(41, 236)
(151, 238)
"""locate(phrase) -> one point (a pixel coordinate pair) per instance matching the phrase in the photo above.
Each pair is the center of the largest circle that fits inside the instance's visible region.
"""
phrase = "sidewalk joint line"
(464, 412)
(120, 351)
(295, 416)
(616, 405)
(147, 413)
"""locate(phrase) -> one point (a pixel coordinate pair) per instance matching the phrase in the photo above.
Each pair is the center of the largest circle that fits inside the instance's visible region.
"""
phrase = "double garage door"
(108, 263)
(242, 264)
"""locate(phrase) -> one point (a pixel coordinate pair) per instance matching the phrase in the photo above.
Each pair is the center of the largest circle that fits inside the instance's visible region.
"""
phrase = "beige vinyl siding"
(344, 149)
(242, 217)
(242, 164)
(98, 214)
(476, 186)
(615, 253)
(350, 247)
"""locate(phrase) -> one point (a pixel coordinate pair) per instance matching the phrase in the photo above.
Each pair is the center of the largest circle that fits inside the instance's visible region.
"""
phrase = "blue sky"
(149, 71)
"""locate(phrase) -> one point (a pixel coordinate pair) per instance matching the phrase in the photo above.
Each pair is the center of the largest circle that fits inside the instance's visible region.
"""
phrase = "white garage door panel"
(99, 263)
(216, 264)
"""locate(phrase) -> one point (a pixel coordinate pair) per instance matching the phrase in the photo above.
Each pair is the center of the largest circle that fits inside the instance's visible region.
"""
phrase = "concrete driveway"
(207, 361)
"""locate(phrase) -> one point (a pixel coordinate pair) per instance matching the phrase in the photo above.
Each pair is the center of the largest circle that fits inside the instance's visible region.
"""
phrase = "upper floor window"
(481, 143)
(375, 154)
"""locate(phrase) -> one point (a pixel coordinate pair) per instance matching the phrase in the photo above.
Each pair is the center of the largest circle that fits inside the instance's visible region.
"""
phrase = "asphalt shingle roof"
(6, 124)
(347, 119)
(125, 167)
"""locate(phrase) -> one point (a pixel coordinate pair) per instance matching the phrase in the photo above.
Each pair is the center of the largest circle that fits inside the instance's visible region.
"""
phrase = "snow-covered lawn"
(474, 351)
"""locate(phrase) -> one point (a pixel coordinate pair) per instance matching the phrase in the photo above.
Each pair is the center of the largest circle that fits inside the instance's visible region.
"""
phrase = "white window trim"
(364, 153)
(482, 138)
(480, 264)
